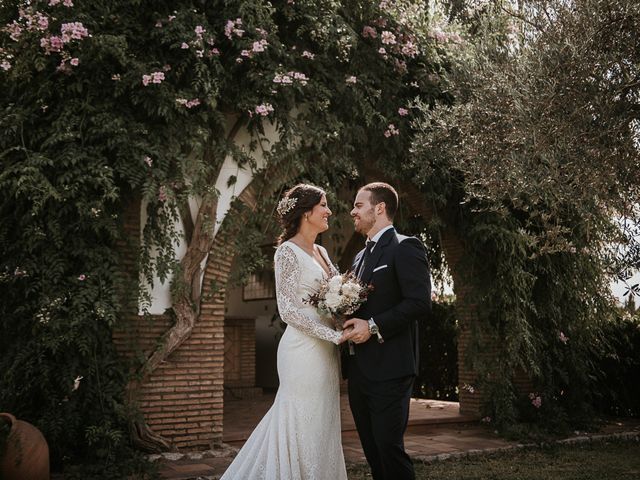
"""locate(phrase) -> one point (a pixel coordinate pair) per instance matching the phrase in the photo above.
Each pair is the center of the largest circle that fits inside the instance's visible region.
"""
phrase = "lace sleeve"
(287, 270)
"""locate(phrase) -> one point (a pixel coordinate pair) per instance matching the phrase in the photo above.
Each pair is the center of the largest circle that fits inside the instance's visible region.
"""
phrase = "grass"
(598, 461)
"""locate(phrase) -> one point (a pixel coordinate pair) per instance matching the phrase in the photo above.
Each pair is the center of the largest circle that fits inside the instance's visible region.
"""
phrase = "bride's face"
(318, 218)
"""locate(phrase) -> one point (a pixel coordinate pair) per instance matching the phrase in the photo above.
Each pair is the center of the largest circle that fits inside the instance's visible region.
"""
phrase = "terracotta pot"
(27, 453)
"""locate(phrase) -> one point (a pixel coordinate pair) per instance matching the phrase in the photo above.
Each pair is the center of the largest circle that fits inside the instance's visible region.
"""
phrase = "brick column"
(183, 399)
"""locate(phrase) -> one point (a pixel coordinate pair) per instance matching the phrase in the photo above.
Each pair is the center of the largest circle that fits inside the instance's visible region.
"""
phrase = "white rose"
(335, 283)
(351, 289)
(332, 300)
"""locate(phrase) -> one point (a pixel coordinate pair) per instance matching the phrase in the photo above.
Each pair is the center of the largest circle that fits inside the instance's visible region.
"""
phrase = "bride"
(299, 437)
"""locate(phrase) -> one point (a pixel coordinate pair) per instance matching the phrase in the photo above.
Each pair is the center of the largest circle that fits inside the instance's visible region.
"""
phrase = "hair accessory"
(285, 205)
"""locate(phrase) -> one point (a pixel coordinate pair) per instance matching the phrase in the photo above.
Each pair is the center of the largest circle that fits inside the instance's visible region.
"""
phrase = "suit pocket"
(379, 268)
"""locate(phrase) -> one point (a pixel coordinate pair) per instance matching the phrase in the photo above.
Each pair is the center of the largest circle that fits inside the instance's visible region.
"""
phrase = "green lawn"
(598, 461)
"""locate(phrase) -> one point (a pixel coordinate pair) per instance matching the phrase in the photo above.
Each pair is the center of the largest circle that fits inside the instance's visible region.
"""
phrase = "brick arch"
(454, 250)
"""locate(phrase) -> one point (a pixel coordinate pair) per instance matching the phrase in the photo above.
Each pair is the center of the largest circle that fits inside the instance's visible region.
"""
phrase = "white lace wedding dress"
(299, 437)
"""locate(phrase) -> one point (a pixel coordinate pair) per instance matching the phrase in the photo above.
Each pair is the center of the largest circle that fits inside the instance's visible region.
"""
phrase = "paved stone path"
(436, 431)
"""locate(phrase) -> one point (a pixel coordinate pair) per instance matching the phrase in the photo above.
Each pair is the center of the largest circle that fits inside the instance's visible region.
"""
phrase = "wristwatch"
(374, 330)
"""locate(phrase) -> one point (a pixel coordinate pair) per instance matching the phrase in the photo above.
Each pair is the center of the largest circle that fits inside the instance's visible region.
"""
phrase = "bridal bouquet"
(339, 296)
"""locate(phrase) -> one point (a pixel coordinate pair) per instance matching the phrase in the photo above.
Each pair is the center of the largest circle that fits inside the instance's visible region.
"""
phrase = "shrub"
(438, 368)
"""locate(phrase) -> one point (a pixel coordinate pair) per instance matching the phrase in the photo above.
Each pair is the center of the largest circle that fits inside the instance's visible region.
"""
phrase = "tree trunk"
(185, 305)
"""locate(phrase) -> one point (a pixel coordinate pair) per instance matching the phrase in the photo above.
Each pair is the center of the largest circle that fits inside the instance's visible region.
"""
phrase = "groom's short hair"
(383, 192)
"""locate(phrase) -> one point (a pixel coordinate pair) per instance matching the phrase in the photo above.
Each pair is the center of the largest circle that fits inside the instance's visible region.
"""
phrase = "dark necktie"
(367, 252)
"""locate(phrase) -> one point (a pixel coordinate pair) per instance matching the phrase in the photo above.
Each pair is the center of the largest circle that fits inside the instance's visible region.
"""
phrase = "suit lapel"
(374, 258)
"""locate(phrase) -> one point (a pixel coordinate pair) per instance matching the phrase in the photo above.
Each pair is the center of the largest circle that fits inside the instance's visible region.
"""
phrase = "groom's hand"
(345, 335)
(360, 330)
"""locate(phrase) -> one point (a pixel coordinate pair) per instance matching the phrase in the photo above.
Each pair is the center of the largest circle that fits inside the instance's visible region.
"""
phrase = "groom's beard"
(364, 223)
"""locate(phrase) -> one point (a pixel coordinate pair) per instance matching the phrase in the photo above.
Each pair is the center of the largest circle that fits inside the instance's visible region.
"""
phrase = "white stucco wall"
(160, 294)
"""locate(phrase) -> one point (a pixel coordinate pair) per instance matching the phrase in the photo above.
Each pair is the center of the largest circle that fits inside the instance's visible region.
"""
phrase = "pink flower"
(245, 53)
(228, 28)
(15, 30)
(382, 51)
(199, 31)
(403, 112)
(74, 61)
(369, 32)
(43, 22)
(166, 67)
(188, 103)
(56, 43)
(214, 51)
(301, 77)
(73, 31)
(148, 161)
(392, 130)
(157, 77)
(46, 44)
(5, 65)
(564, 339)
(159, 24)
(309, 55)
(283, 79)
(171, 18)
(82, 277)
(53, 3)
(264, 109)
(537, 402)
(184, 45)
(259, 46)
(410, 50)
(51, 44)
(67, 3)
(388, 38)
(352, 80)
(231, 28)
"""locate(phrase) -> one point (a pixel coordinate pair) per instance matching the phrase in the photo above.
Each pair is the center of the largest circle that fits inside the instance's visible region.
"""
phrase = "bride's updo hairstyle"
(294, 204)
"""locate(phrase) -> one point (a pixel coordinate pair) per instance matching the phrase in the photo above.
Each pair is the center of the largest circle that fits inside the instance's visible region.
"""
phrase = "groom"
(382, 371)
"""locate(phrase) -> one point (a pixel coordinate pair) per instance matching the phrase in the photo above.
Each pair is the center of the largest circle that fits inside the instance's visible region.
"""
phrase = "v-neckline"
(312, 257)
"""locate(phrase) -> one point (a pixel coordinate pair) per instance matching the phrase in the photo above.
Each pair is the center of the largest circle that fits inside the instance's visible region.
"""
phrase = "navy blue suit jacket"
(399, 272)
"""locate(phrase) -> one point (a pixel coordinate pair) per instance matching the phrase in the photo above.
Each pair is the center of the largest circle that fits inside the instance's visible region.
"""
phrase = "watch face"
(373, 329)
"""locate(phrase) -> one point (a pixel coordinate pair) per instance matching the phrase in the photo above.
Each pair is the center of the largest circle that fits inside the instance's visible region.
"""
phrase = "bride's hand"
(345, 334)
